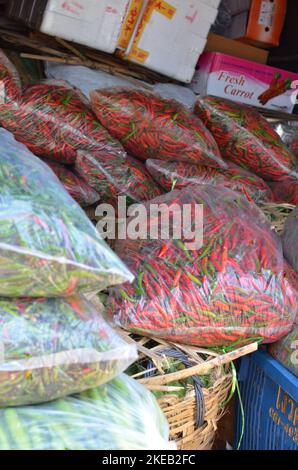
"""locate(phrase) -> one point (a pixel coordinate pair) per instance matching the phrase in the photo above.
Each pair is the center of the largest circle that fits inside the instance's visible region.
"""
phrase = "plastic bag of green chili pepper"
(286, 351)
(79, 190)
(231, 288)
(246, 138)
(120, 415)
(48, 246)
(290, 239)
(56, 347)
(152, 127)
(179, 175)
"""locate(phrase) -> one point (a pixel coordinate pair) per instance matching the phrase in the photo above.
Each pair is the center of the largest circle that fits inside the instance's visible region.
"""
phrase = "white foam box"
(94, 23)
(171, 36)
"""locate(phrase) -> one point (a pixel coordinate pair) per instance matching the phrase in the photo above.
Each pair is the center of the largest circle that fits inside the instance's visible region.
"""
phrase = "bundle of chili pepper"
(246, 138)
(234, 287)
(80, 191)
(152, 127)
(54, 348)
(48, 246)
(286, 191)
(286, 351)
(129, 178)
(179, 175)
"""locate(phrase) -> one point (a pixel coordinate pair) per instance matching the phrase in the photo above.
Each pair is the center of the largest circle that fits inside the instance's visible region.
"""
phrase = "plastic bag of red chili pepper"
(152, 127)
(179, 175)
(74, 185)
(285, 191)
(55, 120)
(10, 83)
(129, 178)
(246, 138)
(290, 239)
(48, 246)
(234, 288)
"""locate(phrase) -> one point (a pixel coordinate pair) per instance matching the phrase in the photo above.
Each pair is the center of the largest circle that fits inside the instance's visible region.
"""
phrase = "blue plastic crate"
(269, 395)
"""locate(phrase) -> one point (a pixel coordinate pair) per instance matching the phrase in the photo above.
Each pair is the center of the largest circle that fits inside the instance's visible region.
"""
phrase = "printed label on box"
(244, 81)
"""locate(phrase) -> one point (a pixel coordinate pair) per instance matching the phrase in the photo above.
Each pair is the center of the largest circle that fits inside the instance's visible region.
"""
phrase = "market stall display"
(56, 347)
(48, 247)
(120, 415)
(246, 138)
(234, 288)
(152, 127)
(180, 175)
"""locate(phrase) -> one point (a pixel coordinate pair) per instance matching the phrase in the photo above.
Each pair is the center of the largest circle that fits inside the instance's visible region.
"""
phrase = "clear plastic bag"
(288, 132)
(152, 127)
(56, 347)
(234, 288)
(48, 246)
(290, 239)
(52, 119)
(79, 190)
(286, 351)
(179, 175)
(120, 415)
(286, 191)
(129, 178)
(246, 138)
(88, 80)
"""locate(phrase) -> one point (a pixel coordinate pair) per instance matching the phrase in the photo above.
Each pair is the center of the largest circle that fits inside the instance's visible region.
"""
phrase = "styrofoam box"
(94, 23)
(170, 39)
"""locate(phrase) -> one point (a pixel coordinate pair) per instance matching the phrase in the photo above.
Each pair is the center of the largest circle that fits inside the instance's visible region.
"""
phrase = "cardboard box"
(171, 36)
(245, 81)
(263, 25)
(235, 48)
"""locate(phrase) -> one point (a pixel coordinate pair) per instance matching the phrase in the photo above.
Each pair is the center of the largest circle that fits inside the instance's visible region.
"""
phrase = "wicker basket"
(192, 407)
(277, 214)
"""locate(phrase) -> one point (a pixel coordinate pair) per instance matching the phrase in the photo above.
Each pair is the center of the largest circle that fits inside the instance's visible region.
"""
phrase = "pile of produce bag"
(120, 415)
(48, 246)
(246, 138)
(235, 288)
(180, 175)
(56, 347)
(152, 127)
